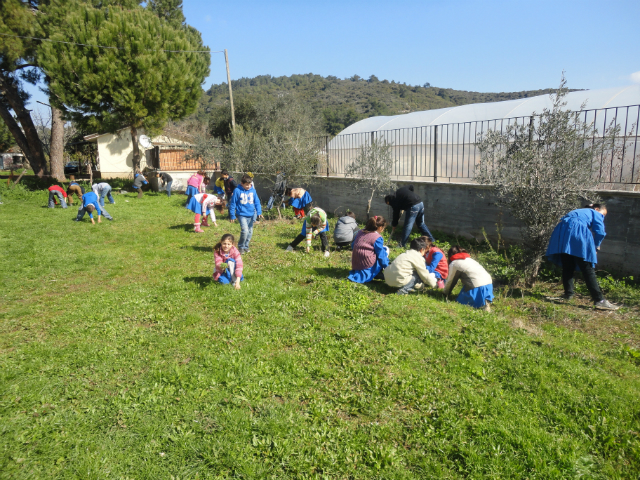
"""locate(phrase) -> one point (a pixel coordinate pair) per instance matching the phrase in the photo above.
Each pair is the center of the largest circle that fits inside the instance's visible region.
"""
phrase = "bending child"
(74, 188)
(219, 186)
(90, 204)
(138, 181)
(202, 204)
(246, 205)
(408, 271)
(167, 180)
(436, 262)
(314, 225)
(57, 191)
(346, 228)
(299, 198)
(574, 244)
(477, 286)
(103, 190)
(369, 256)
(228, 262)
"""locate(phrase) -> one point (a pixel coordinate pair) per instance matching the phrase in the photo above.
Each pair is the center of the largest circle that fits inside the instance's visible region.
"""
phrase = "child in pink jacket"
(228, 262)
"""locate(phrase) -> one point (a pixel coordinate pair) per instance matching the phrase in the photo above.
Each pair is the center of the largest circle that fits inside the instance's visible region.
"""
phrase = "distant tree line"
(338, 103)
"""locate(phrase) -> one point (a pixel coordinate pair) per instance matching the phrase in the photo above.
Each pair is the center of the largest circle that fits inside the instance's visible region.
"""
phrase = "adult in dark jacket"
(405, 199)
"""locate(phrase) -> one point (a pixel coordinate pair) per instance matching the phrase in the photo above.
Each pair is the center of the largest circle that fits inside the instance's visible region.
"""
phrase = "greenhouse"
(440, 145)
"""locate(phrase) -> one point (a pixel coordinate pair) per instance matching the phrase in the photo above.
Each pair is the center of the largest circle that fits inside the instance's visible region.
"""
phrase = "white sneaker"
(289, 248)
(326, 254)
(418, 286)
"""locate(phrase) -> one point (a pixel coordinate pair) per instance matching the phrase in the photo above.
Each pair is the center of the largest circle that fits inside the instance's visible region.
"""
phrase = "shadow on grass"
(333, 272)
(201, 282)
(187, 227)
(198, 248)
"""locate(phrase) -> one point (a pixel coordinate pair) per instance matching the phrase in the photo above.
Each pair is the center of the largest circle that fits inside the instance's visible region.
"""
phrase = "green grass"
(119, 358)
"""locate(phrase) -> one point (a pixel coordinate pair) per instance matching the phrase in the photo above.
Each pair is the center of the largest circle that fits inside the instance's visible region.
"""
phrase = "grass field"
(119, 358)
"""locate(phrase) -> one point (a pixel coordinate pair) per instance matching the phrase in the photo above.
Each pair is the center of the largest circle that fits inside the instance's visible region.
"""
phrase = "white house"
(115, 156)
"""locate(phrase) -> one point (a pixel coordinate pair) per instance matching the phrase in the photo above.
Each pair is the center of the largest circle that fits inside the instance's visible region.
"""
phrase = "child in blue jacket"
(245, 204)
(90, 203)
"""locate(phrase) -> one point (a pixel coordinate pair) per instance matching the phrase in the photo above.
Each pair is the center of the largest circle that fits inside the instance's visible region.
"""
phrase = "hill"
(343, 102)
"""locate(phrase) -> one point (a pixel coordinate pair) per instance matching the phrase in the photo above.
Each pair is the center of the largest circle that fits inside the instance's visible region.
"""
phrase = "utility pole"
(233, 115)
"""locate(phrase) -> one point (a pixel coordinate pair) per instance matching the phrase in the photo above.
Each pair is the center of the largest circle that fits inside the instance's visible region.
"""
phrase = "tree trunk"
(136, 150)
(27, 136)
(369, 204)
(532, 272)
(57, 145)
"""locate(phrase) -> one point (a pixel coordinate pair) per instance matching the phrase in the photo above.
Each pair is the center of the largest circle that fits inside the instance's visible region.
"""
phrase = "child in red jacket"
(57, 191)
(436, 262)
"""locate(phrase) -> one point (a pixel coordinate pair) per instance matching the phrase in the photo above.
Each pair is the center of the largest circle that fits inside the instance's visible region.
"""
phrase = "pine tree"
(17, 64)
(137, 84)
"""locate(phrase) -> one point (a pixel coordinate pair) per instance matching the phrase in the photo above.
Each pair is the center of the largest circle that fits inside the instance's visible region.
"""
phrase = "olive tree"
(282, 137)
(372, 169)
(540, 170)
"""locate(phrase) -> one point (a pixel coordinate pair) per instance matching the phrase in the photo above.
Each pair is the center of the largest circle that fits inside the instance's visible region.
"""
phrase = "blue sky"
(487, 46)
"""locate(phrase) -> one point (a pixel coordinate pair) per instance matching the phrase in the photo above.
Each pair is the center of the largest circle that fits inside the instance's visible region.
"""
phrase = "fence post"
(326, 151)
(435, 153)
(530, 129)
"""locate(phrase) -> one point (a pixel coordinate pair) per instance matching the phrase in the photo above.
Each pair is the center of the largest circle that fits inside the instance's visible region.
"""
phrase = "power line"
(114, 48)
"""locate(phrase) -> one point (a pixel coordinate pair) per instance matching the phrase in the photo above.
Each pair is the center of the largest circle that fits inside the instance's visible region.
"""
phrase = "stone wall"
(465, 209)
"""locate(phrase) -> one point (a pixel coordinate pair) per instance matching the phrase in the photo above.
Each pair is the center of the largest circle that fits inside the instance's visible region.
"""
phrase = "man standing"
(405, 199)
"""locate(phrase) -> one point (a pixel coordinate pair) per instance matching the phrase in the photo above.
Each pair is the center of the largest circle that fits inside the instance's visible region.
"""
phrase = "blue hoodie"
(91, 198)
(244, 202)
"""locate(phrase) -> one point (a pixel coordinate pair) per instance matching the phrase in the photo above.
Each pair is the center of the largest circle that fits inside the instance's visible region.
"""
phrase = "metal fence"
(449, 152)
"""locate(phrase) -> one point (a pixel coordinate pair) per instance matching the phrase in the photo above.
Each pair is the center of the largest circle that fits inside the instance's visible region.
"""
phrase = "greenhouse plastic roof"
(595, 99)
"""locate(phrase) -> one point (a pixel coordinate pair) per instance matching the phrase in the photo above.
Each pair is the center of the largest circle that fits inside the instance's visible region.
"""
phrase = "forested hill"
(343, 102)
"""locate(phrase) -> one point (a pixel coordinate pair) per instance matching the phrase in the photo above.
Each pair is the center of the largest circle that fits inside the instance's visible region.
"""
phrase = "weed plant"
(120, 358)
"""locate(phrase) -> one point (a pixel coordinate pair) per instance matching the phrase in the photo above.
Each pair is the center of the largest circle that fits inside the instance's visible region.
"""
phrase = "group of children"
(573, 244)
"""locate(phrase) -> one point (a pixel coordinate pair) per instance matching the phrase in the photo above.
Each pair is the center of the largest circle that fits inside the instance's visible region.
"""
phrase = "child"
(230, 184)
(369, 255)
(477, 286)
(167, 180)
(205, 183)
(74, 188)
(408, 271)
(194, 183)
(138, 181)
(573, 246)
(246, 204)
(300, 198)
(57, 191)
(225, 252)
(219, 187)
(202, 204)
(89, 204)
(436, 262)
(345, 230)
(103, 190)
(315, 224)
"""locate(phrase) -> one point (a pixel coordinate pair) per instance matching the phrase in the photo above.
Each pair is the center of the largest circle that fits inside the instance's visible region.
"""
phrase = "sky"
(485, 46)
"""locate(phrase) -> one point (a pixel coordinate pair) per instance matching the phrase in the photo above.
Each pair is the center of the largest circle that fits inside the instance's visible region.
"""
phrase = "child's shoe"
(197, 228)
(289, 248)
(205, 223)
(326, 254)
(440, 284)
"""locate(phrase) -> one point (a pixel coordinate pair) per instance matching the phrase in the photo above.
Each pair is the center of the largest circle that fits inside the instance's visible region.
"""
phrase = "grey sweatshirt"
(345, 230)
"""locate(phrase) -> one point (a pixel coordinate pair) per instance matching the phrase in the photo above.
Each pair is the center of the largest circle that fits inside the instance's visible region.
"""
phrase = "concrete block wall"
(465, 209)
